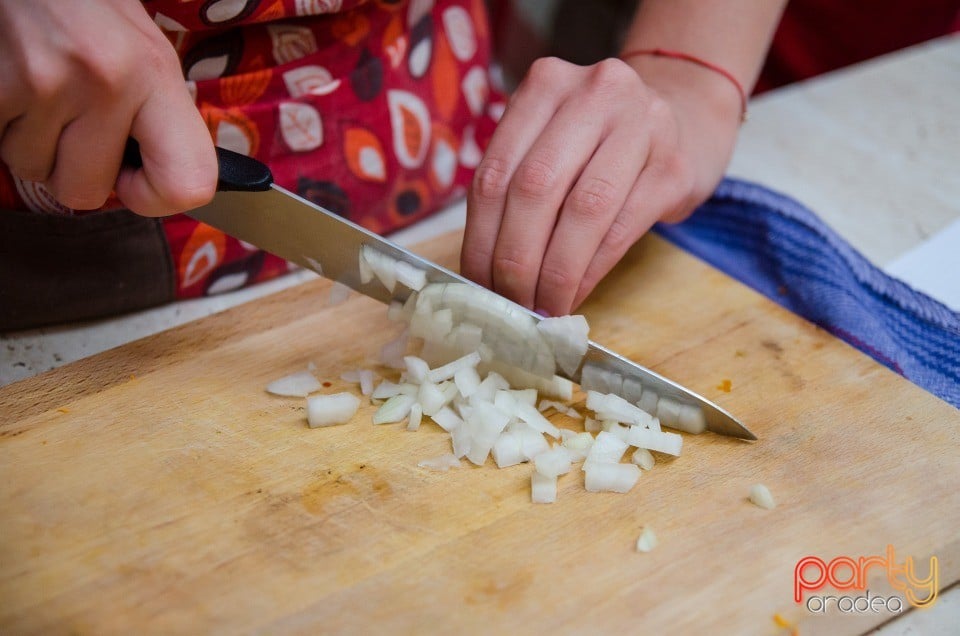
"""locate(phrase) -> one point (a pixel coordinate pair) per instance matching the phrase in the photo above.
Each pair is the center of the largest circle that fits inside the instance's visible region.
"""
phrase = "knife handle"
(238, 173)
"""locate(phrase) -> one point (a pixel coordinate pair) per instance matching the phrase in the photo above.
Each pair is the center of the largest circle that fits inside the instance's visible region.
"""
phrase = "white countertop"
(874, 149)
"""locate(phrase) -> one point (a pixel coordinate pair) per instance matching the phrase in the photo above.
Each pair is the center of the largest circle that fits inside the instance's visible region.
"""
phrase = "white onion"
(596, 378)
(532, 443)
(388, 389)
(668, 412)
(591, 425)
(760, 495)
(467, 381)
(395, 312)
(647, 540)
(543, 489)
(410, 276)
(648, 401)
(489, 386)
(394, 410)
(486, 423)
(632, 390)
(329, 410)
(415, 416)
(607, 448)
(461, 439)
(417, 369)
(508, 450)
(604, 477)
(579, 446)
(691, 419)
(614, 407)
(431, 398)
(669, 443)
(553, 462)
(569, 338)
(300, 384)
(441, 464)
(447, 419)
(447, 371)
(381, 264)
(529, 414)
(643, 458)
(366, 381)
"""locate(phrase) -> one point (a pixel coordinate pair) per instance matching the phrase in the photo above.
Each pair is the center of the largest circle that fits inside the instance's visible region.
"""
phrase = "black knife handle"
(238, 173)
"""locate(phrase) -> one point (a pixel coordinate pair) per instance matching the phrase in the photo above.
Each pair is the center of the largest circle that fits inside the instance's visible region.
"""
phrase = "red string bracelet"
(680, 55)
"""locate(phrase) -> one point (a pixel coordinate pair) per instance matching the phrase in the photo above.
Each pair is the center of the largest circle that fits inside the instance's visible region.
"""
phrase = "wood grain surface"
(156, 488)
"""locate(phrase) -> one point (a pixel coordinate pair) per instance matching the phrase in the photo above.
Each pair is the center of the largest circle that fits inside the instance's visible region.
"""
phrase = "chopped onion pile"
(479, 376)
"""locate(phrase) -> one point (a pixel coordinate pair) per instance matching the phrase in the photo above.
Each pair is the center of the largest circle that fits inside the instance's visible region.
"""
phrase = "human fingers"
(179, 170)
(590, 208)
(662, 191)
(531, 107)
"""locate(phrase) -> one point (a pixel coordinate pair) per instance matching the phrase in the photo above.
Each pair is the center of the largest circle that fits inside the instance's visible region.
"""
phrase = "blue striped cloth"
(783, 250)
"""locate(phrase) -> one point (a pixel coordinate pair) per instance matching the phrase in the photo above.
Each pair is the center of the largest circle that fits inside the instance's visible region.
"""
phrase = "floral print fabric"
(376, 110)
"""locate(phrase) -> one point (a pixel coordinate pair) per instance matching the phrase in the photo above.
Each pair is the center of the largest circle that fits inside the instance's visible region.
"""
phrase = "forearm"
(731, 34)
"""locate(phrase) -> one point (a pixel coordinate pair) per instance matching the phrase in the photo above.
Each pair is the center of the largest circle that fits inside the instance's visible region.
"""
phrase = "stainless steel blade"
(300, 231)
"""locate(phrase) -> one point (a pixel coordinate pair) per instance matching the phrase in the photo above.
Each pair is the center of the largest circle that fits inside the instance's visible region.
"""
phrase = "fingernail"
(542, 313)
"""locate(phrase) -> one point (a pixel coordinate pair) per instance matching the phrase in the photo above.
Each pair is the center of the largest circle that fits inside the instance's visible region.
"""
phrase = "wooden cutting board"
(157, 487)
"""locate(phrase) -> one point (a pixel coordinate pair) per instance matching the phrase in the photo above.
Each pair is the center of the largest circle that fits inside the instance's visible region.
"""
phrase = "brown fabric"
(56, 269)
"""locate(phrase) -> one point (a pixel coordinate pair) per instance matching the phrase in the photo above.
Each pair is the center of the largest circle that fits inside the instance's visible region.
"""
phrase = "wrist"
(708, 110)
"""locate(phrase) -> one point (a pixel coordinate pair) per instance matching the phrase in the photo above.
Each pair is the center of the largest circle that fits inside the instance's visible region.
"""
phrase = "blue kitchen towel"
(783, 250)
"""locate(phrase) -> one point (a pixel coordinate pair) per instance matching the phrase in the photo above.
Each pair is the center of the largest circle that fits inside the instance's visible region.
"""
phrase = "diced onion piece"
(447, 371)
(467, 381)
(394, 410)
(691, 419)
(543, 489)
(460, 437)
(614, 407)
(507, 450)
(569, 338)
(431, 398)
(366, 381)
(579, 446)
(532, 443)
(415, 416)
(668, 412)
(529, 414)
(329, 410)
(643, 458)
(410, 276)
(555, 387)
(648, 401)
(525, 396)
(573, 413)
(441, 324)
(607, 448)
(388, 389)
(381, 264)
(486, 423)
(616, 428)
(488, 388)
(553, 462)
(607, 477)
(760, 496)
(338, 294)
(366, 272)
(447, 419)
(596, 378)
(632, 390)
(417, 369)
(566, 434)
(591, 425)
(669, 443)
(442, 464)
(647, 540)
(300, 384)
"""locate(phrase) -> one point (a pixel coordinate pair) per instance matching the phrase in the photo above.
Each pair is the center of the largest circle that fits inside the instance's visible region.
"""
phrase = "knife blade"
(251, 207)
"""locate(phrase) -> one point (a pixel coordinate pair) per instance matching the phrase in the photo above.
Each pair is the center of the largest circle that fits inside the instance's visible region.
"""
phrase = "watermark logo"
(844, 573)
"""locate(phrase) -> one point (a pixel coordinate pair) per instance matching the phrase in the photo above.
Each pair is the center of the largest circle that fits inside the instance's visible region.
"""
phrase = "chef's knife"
(250, 207)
